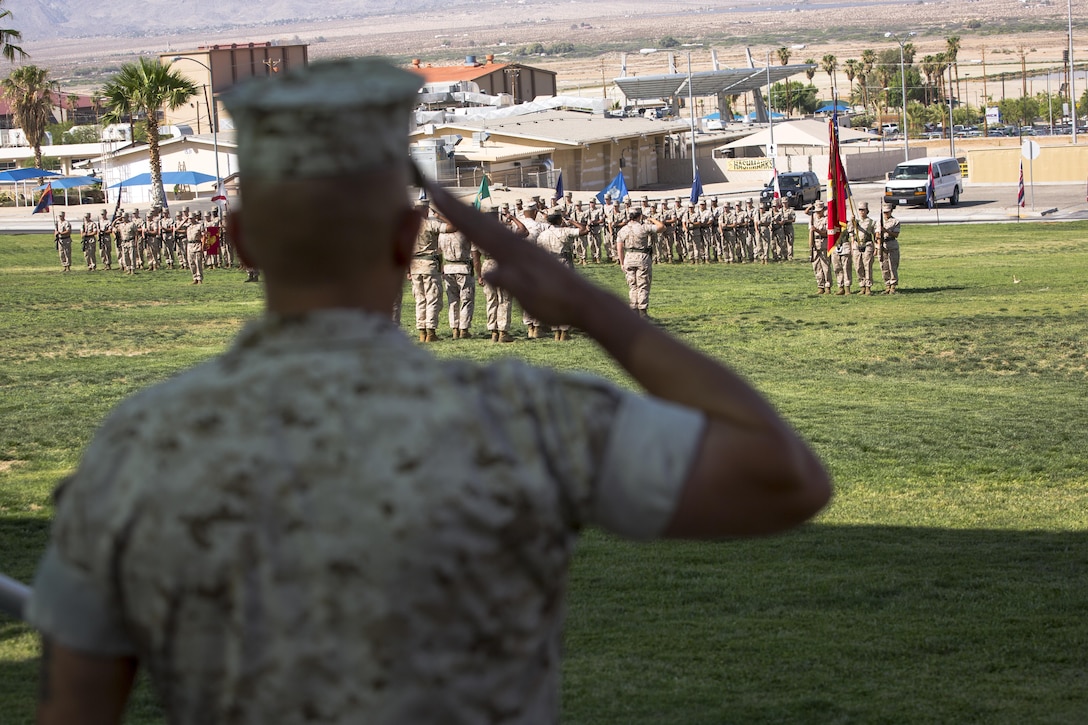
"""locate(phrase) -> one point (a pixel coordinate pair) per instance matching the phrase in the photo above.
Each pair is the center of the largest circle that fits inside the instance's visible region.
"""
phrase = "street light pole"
(213, 120)
(1072, 74)
(903, 88)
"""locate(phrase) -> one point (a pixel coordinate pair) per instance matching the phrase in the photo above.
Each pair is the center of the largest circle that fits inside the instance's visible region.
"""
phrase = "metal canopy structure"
(729, 81)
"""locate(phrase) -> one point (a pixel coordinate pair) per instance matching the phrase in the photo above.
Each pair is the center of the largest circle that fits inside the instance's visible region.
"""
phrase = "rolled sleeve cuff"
(650, 452)
(71, 609)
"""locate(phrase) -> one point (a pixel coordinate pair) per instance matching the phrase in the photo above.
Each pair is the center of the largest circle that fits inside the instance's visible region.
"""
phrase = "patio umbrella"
(14, 176)
(183, 178)
(839, 106)
(70, 182)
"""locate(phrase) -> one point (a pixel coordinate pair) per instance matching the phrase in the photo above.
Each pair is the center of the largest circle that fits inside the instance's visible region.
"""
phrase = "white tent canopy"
(798, 133)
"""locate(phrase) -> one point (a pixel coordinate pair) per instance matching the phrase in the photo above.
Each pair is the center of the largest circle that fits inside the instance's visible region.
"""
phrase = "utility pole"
(1023, 73)
(985, 123)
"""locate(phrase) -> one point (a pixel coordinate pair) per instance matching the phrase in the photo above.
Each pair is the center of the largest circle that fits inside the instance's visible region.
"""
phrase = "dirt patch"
(6, 466)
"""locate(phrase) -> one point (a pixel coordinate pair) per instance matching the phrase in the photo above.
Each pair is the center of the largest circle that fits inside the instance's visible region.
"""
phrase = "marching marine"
(89, 241)
(457, 278)
(105, 239)
(636, 258)
(889, 257)
(62, 237)
(194, 237)
(817, 243)
(864, 234)
(425, 274)
(559, 238)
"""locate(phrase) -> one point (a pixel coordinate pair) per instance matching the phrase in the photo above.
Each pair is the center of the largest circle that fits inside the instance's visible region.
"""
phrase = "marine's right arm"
(751, 473)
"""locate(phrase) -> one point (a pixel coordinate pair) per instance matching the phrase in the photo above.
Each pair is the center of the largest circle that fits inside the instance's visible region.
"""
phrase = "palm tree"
(7, 35)
(952, 50)
(829, 64)
(784, 54)
(868, 60)
(30, 93)
(144, 88)
(810, 72)
(853, 69)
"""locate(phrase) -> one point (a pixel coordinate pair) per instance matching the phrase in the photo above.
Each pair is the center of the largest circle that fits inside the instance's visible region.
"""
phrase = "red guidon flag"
(211, 240)
(838, 188)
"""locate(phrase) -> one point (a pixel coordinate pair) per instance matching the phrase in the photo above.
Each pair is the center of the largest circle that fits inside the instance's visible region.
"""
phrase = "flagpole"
(691, 108)
(770, 115)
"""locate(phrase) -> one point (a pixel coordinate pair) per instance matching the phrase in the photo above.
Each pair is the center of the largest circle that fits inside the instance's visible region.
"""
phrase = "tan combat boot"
(505, 336)
(465, 334)
(422, 333)
(494, 336)
(842, 291)
(558, 335)
(564, 335)
(431, 336)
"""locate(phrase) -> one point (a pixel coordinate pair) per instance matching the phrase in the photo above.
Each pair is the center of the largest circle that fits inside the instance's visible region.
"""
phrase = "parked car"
(799, 188)
(909, 181)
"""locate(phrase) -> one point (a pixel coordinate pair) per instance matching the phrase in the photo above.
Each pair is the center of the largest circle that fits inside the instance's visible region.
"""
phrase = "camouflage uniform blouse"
(326, 523)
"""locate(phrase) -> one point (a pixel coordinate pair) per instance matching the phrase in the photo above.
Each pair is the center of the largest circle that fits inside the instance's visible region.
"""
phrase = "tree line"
(137, 93)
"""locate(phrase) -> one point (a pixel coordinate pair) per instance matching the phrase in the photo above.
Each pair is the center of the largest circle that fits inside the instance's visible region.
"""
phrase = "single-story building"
(522, 82)
(186, 153)
(531, 150)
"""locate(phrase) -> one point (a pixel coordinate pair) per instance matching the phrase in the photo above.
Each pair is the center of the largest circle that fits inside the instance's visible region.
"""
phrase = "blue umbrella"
(13, 175)
(839, 106)
(183, 178)
(69, 182)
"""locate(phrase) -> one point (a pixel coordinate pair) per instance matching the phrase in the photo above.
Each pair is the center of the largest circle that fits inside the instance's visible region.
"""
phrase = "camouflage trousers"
(461, 299)
(889, 266)
(196, 260)
(427, 291)
(90, 252)
(128, 254)
(842, 264)
(639, 274)
(821, 267)
(498, 302)
(64, 248)
(863, 266)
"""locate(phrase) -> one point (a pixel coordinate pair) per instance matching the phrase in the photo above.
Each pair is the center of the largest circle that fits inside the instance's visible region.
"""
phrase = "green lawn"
(948, 582)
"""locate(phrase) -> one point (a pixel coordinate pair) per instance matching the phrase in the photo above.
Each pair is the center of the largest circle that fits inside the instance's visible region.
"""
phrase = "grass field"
(948, 582)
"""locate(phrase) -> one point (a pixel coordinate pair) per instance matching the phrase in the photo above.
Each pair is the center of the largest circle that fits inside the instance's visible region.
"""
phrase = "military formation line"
(188, 240)
(637, 236)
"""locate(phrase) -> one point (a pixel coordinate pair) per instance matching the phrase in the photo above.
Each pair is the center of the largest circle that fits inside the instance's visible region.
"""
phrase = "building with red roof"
(523, 82)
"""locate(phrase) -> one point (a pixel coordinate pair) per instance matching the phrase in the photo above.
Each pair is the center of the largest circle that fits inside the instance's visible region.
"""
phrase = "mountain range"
(50, 19)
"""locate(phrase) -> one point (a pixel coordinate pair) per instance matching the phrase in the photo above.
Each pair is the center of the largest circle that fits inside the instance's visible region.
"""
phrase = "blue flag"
(45, 201)
(559, 187)
(696, 188)
(617, 188)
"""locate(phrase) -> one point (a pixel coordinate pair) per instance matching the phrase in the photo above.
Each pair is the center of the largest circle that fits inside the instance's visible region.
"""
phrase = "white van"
(907, 184)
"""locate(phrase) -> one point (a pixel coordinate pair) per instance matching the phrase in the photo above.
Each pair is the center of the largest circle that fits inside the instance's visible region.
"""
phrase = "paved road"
(979, 203)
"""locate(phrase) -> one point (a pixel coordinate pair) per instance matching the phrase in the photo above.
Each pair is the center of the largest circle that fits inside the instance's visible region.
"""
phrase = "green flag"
(484, 192)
